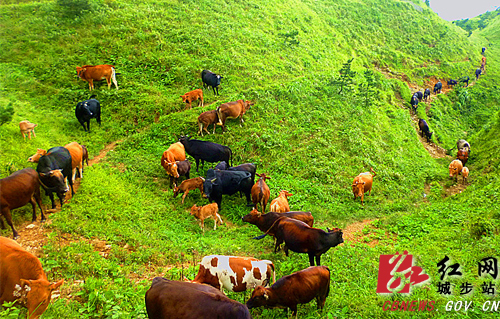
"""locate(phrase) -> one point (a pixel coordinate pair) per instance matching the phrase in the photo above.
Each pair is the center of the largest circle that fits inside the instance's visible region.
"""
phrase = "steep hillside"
(123, 227)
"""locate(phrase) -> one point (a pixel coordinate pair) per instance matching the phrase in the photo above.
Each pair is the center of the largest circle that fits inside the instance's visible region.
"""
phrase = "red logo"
(396, 273)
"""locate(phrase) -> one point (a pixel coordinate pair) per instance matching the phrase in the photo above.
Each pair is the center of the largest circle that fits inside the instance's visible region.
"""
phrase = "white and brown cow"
(235, 274)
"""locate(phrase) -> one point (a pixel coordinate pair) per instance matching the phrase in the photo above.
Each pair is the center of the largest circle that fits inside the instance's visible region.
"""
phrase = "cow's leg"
(285, 249)
(318, 260)
(80, 169)
(8, 218)
(202, 163)
(214, 129)
(184, 196)
(33, 204)
(88, 126)
(70, 180)
(277, 244)
(187, 175)
(200, 131)
(51, 196)
(171, 181)
(241, 121)
(73, 173)
(38, 199)
(215, 222)
(202, 225)
(201, 98)
(91, 84)
(83, 124)
(113, 77)
(197, 163)
(24, 136)
(34, 135)
(61, 196)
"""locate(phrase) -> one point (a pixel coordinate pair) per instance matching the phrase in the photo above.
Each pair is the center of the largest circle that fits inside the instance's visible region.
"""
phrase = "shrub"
(6, 114)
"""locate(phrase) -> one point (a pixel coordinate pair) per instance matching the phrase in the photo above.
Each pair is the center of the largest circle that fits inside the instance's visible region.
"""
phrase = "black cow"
(414, 102)
(52, 169)
(301, 238)
(176, 299)
(419, 95)
(483, 50)
(451, 83)
(218, 183)
(478, 73)
(438, 87)
(464, 79)
(427, 93)
(247, 167)
(424, 130)
(205, 151)
(222, 166)
(86, 110)
(211, 79)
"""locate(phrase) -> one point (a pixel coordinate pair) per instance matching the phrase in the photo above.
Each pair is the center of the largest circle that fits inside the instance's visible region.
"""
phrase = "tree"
(367, 88)
(345, 80)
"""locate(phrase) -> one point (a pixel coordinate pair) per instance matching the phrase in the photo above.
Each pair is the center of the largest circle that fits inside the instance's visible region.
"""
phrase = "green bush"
(6, 114)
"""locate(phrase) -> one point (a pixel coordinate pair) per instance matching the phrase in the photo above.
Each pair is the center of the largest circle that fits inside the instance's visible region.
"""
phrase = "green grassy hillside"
(286, 56)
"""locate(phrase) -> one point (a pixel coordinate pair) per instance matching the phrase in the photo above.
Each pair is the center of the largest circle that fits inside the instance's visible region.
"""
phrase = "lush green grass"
(284, 56)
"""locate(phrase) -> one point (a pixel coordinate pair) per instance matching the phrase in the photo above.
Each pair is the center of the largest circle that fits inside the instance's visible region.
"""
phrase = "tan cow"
(76, 152)
(206, 119)
(280, 203)
(35, 157)
(362, 184)
(192, 96)
(455, 168)
(232, 110)
(91, 73)
(465, 174)
(22, 278)
(27, 127)
(260, 192)
(203, 212)
(189, 185)
(175, 152)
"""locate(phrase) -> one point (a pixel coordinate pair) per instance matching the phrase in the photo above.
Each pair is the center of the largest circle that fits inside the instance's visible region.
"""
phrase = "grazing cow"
(463, 155)
(419, 95)
(177, 169)
(267, 222)
(280, 203)
(362, 184)
(437, 87)
(86, 110)
(465, 174)
(35, 157)
(206, 119)
(463, 144)
(232, 110)
(22, 279)
(205, 151)
(174, 153)
(52, 169)
(203, 212)
(189, 185)
(218, 183)
(18, 189)
(427, 93)
(91, 73)
(455, 168)
(76, 152)
(235, 274)
(298, 288)
(451, 83)
(193, 96)
(414, 103)
(260, 192)
(483, 64)
(464, 79)
(483, 50)
(424, 130)
(211, 79)
(301, 238)
(27, 127)
(478, 73)
(176, 299)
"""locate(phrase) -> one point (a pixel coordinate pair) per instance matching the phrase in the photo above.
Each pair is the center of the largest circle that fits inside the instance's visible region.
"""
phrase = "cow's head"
(285, 194)
(334, 236)
(260, 297)
(247, 105)
(358, 188)
(176, 191)
(455, 167)
(184, 139)
(36, 294)
(172, 169)
(194, 210)
(54, 181)
(185, 98)
(263, 176)
(36, 157)
(208, 184)
(252, 217)
(80, 71)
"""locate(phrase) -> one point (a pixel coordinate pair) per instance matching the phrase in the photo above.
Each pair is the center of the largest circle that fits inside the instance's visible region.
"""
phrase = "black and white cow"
(86, 110)
(211, 79)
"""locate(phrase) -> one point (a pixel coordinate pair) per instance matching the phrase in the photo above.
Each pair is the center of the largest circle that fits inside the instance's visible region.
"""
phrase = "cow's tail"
(219, 115)
(274, 272)
(373, 172)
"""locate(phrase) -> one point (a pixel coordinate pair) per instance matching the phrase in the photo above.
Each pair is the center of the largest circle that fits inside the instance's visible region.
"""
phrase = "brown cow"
(465, 174)
(76, 152)
(18, 189)
(298, 288)
(175, 152)
(35, 157)
(463, 155)
(203, 212)
(189, 185)
(362, 184)
(232, 110)
(280, 203)
(27, 127)
(206, 119)
(455, 168)
(260, 192)
(186, 300)
(192, 96)
(22, 278)
(91, 73)
(236, 274)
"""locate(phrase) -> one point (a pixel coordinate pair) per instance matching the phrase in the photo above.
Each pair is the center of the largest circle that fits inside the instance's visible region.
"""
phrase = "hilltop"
(123, 227)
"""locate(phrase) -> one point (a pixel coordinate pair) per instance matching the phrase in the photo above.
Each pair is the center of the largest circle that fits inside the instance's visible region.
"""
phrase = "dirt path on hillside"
(33, 236)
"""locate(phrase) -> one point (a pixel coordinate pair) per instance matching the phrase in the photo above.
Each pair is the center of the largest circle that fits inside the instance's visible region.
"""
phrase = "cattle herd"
(56, 171)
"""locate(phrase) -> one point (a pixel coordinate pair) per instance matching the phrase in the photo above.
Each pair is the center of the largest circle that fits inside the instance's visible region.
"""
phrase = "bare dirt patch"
(356, 233)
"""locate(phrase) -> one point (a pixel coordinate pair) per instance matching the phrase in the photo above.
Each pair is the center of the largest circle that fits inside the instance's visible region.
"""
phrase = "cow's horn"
(213, 180)
(202, 178)
(266, 296)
